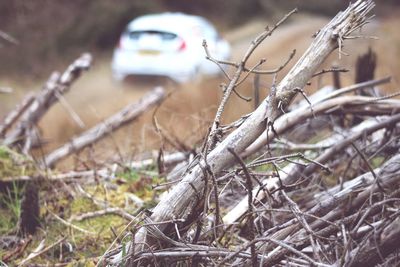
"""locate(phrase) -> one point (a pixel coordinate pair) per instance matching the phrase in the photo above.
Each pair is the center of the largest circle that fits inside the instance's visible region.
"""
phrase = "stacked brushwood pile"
(257, 194)
(312, 184)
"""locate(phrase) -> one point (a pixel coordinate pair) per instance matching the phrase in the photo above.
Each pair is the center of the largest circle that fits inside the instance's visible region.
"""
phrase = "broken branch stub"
(185, 197)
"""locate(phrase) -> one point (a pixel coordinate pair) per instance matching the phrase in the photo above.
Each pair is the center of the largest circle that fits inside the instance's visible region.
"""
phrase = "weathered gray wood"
(182, 201)
(126, 115)
(379, 246)
(168, 159)
(262, 140)
(16, 113)
(331, 208)
(340, 141)
(46, 98)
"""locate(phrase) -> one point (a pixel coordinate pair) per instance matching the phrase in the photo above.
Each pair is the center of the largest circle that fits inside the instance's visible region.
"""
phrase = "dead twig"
(99, 131)
(40, 250)
(233, 82)
(249, 188)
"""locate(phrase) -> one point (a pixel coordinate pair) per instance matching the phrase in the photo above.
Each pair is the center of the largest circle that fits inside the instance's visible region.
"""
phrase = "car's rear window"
(166, 36)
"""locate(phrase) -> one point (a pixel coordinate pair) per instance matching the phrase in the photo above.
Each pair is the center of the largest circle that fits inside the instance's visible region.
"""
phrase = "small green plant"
(10, 201)
(14, 199)
(130, 175)
(4, 152)
(377, 161)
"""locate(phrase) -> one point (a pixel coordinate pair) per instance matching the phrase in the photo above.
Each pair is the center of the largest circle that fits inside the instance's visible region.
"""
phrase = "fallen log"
(126, 115)
(57, 84)
(168, 159)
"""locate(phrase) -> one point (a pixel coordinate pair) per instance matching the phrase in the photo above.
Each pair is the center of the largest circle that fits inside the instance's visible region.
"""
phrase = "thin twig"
(40, 252)
(211, 142)
(70, 224)
(330, 70)
(249, 188)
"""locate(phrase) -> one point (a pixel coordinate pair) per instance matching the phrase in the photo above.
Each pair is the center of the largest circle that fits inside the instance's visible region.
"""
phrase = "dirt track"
(190, 108)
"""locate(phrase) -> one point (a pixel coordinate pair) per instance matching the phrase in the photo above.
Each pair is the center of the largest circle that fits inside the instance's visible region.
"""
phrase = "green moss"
(130, 175)
(4, 152)
(13, 164)
(139, 183)
(82, 263)
(104, 229)
(7, 221)
(264, 168)
(81, 205)
(377, 161)
(95, 245)
(85, 246)
(330, 180)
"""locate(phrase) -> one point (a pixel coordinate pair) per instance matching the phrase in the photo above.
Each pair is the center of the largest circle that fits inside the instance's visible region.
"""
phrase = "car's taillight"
(182, 46)
(119, 45)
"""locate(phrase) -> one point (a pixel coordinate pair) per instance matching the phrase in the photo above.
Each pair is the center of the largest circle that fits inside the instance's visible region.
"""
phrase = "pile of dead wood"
(259, 193)
(312, 184)
(19, 131)
(19, 128)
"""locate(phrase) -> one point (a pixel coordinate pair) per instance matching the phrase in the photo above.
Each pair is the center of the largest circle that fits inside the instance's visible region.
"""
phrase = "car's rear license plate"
(148, 52)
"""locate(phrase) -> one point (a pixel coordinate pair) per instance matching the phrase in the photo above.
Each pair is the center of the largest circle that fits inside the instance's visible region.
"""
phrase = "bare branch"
(114, 122)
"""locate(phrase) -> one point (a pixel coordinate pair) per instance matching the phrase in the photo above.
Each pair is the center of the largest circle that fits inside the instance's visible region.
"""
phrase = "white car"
(169, 45)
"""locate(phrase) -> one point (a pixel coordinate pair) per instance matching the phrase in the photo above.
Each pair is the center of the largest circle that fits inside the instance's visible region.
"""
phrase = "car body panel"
(168, 44)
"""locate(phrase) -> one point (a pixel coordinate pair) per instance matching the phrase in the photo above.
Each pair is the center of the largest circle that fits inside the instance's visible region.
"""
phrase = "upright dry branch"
(235, 81)
(99, 131)
(185, 198)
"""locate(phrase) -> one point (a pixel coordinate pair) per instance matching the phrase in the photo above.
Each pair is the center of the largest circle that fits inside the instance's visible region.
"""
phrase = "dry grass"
(190, 107)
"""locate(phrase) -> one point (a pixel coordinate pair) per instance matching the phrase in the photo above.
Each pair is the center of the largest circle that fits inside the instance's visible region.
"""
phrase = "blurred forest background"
(51, 32)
